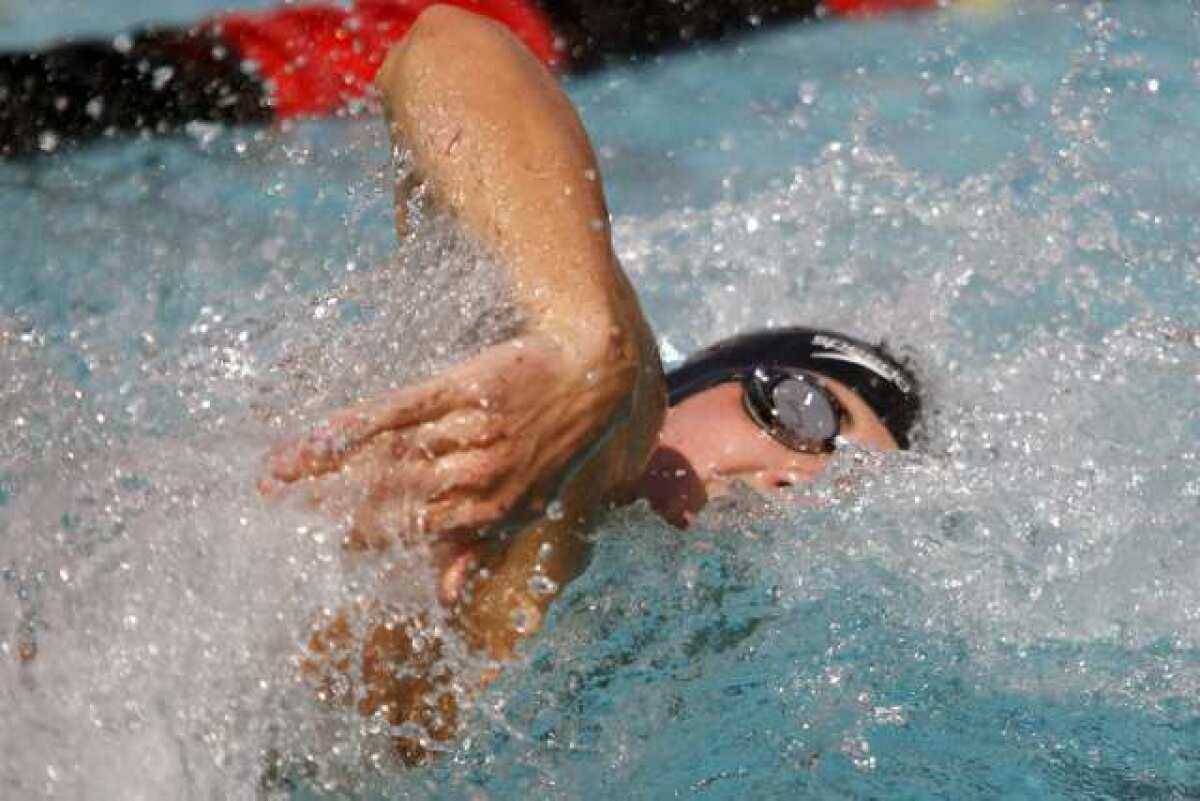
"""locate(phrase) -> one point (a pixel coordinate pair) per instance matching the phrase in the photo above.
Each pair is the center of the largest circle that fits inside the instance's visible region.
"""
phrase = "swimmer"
(314, 59)
(502, 461)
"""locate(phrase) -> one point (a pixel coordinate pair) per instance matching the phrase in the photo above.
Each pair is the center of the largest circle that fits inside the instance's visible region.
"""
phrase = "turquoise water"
(1010, 612)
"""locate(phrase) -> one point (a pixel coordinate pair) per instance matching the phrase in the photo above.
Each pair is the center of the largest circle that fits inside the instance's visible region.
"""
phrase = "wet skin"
(570, 412)
(708, 442)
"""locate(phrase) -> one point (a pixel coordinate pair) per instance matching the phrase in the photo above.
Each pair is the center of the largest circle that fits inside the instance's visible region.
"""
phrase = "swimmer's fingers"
(461, 430)
(454, 455)
(480, 491)
(381, 497)
(417, 496)
(449, 519)
(327, 447)
(486, 382)
(360, 495)
(463, 492)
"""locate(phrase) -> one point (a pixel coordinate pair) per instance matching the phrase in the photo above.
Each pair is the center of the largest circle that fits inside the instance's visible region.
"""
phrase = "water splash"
(1008, 610)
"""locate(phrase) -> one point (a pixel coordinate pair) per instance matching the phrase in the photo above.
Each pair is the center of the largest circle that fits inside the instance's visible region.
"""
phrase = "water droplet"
(890, 715)
(161, 77)
(542, 585)
(520, 620)
(670, 354)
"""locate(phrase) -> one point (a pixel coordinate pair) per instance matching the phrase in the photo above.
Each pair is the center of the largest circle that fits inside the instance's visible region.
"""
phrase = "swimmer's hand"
(479, 443)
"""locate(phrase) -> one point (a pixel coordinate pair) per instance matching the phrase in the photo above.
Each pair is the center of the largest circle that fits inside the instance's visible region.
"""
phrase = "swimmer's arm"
(498, 146)
(567, 412)
(497, 142)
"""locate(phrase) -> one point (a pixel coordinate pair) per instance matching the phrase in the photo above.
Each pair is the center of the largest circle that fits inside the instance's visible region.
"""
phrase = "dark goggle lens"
(794, 409)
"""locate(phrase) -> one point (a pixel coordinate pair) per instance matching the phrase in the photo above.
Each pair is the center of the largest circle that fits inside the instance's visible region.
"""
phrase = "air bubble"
(161, 77)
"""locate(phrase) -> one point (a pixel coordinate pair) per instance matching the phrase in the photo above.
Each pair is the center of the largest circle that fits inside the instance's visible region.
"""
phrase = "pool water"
(1010, 611)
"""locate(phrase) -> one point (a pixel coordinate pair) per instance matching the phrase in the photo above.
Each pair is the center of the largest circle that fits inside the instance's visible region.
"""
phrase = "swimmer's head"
(888, 387)
(768, 408)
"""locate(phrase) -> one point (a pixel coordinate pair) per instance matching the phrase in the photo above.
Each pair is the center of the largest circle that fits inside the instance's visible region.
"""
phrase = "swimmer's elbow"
(442, 21)
(442, 36)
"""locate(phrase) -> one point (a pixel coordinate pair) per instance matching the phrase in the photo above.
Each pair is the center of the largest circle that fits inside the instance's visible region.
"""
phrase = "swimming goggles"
(793, 407)
(884, 384)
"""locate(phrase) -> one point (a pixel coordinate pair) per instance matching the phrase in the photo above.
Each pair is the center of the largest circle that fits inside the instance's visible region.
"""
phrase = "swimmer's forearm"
(502, 149)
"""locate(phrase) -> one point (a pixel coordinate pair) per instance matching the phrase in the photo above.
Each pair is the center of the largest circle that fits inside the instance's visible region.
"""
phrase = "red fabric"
(862, 8)
(317, 58)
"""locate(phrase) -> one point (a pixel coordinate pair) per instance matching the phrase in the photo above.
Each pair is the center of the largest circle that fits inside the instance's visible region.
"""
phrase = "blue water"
(1011, 612)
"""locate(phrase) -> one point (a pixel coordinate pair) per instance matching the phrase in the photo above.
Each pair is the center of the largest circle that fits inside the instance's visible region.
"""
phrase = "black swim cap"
(887, 386)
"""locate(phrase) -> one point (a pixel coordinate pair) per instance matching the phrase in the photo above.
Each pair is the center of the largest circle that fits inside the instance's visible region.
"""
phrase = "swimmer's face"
(708, 442)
